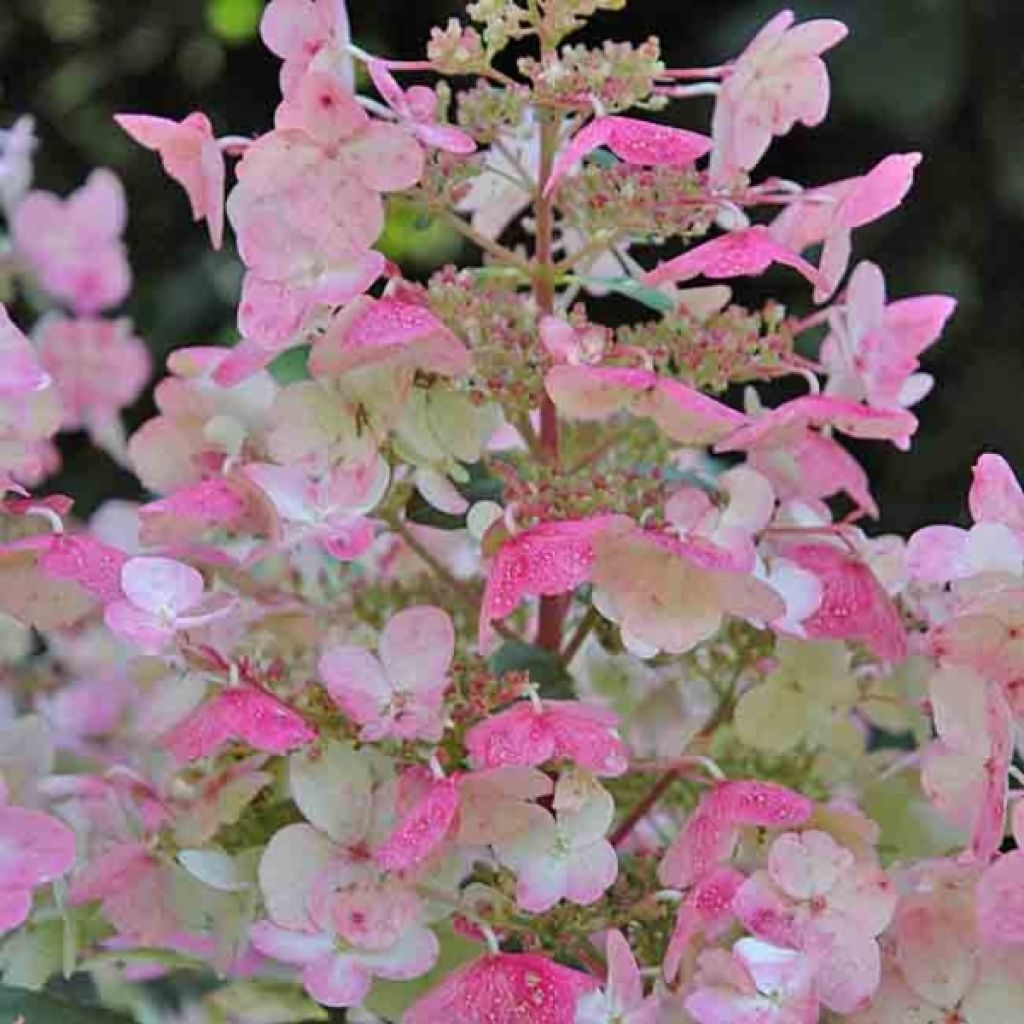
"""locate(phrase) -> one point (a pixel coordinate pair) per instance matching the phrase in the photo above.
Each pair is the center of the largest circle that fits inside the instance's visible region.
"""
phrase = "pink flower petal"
(240, 713)
(749, 252)
(496, 988)
(35, 848)
(634, 142)
(422, 831)
(416, 648)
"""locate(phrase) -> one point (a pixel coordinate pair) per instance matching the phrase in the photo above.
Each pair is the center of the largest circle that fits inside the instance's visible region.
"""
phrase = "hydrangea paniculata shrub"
(501, 666)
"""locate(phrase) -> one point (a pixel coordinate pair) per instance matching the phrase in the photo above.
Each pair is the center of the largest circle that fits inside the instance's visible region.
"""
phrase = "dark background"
(942, 76)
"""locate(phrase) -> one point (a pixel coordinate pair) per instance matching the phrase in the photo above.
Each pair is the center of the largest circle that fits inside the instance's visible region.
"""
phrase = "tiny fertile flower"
(73, 246)
(634, 142)
(35, 849)
(621, 1000)
(564, 855)
(417, 110)
(829, 214)
(161, 598)
(498, 988)
(756, 984)
(401, 693)
(192, 157)
(778, 80)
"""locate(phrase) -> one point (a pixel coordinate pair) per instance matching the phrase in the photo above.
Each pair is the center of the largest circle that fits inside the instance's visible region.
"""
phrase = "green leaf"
(544, 667)
(43, 1009)
(291, 366)
(234, 21)
(32, 955)
(649, 297)
(266, 1002)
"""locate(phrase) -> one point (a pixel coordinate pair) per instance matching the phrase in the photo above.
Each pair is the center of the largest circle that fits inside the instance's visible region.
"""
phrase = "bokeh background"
(942, 76)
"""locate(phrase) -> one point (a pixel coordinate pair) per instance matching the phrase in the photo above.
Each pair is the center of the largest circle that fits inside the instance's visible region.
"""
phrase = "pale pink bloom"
(498, 988)
(35, 849)
(788, 422)
(1001, 899)
(82, 559)
(996, 495)
(417, 110)
(829, 214)
(810, 466)
(200, 423)
(815, 897)
(669, 594)
(274, 316)
(542, 561)
(309, 33)
(424, 825)
(568, 344)
(366, 932)
(563, 856)
(401, 693)
(599, 392)
(756, 984)
(965, 770)
(706, 910)
(497, 803)
(73, 246)
(938, 973)
(745, 253)
(192, 157)
(732, 527)
(939, 554)
(135, 889)
(987, 634)
(308, 207)
(854, 605)
(99, 368)
(330, 509)
(621, 999)
(239, 714)
(871, 353)
(778, 80)
(709, 836)
(20, 369)
(17, 146)
(633, 141)
(219, 503)
(161, 598)
(371, 332)
(534, 734)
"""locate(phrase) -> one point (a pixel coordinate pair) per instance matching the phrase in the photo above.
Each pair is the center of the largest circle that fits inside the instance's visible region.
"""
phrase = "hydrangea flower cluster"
(503, 666)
